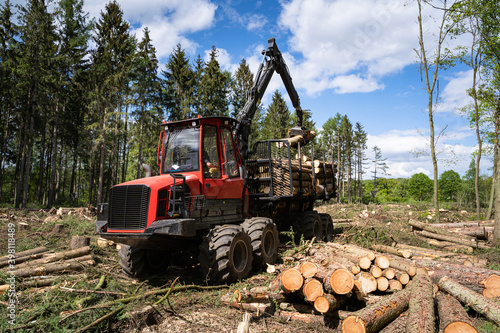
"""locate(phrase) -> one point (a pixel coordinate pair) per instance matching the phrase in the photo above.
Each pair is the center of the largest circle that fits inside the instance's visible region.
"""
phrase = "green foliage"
(420, 187)
(214, 88)
(277, 120)
(449, 184)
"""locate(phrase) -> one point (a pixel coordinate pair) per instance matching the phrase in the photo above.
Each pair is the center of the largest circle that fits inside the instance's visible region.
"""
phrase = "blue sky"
(351, 57)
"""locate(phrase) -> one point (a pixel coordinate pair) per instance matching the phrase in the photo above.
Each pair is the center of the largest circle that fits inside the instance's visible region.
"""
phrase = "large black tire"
(327, 225)
(309, 226)
(225, 255)
(265, 240)
(132, 260)
(136, 262)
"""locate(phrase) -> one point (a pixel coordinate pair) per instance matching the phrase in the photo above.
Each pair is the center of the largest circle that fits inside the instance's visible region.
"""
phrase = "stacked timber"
(391, 294)
(299, 176)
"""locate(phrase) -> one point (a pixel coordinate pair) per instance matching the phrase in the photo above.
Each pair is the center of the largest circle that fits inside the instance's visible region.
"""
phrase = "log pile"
(294, 177)
(469, 236)
(36, 266)
(388, 292)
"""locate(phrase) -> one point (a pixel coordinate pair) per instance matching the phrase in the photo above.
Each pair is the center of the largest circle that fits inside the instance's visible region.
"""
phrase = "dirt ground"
(191, 310)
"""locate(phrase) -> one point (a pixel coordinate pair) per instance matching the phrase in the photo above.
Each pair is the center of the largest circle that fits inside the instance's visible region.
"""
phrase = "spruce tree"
(146, 88)
(8, 61)
(180, 80)
(277, 120)
(214, 88)
(242, 82)
(36, 76)
(111, 69)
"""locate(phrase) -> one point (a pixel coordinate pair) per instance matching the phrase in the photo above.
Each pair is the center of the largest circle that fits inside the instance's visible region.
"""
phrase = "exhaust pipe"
(147, 170)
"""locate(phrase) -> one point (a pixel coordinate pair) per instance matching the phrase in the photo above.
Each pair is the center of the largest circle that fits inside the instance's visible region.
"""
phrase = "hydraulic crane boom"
(273, 61)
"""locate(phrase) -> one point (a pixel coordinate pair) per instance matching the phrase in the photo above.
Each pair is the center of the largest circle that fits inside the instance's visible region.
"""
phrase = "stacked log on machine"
(286, 177)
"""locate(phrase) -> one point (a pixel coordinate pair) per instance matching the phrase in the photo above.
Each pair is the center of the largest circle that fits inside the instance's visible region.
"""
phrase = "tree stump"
(79, 241)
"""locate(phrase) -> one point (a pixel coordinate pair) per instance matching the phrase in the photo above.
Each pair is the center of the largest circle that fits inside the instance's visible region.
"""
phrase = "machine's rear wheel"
(225, 254)
(265, 240)
(327, 225)
(309, 225)
(132, 260)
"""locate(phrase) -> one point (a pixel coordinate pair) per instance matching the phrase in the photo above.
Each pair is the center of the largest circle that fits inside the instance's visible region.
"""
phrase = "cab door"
(211, 166)
(232, 182)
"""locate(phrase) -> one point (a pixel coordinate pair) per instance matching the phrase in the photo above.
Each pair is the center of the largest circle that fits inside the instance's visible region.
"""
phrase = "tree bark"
(72, 265)
(40, 249)
(452, 316)
(453, 239)
(60, 256)
(328, 303)
(421, 306)
(479, 303)
(472, 277)
(392, 250)
(398, 325)
(372, 318)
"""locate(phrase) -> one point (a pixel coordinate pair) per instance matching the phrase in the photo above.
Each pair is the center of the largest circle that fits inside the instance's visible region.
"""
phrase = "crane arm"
(272, 61)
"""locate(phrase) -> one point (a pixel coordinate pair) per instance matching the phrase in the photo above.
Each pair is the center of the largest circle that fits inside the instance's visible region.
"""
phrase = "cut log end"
(341, 281)
(312, 290)
(459, 327)
(308, 269)
(353, 324)
(291, 280)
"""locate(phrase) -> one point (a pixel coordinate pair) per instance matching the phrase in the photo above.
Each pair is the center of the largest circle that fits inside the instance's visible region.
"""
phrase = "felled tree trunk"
(37, 250)
(48, 269)
(372, 318)
(392, 250)
(59, 256)
(453, 238)
(328, 303)
(421, 306)
(452, 316)
(398, 325)
(471, 277)
(478, 302)
(311, 289)
(289, 281)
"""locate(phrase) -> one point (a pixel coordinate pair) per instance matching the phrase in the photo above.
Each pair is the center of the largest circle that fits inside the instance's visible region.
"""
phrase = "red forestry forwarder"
(216, 198)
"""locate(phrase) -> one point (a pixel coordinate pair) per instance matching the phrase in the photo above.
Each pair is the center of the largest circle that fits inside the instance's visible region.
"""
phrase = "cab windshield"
(181, 150)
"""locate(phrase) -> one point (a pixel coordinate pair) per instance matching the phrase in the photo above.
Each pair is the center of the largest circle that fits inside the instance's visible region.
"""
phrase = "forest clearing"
(75, 286)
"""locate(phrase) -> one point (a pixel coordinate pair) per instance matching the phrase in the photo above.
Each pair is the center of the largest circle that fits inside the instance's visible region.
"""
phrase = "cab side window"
(230, 167)
(211, 168)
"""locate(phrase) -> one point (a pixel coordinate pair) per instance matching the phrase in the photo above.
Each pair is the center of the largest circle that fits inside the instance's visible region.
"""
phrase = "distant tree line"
(78, 119)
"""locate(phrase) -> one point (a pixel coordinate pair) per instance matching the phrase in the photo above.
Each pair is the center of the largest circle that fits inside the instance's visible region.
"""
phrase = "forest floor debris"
(97, 296)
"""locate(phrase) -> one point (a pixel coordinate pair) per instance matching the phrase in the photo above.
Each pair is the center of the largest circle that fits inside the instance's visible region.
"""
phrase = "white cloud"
(371, 39)
(168, 21)
(397, 146)
(455, 95)
(354, 83)
(251, 22)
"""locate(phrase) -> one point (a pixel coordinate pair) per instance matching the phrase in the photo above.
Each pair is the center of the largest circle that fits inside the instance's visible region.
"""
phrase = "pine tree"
(146, 87)
(346, 144)
(111, 69)
(277, 120)
(8, 60)
(36, 60)
(180, 80)
(360, 139)
(380, 167)
(199, 69)
(73, 34)
(214, 88)
(243, 81)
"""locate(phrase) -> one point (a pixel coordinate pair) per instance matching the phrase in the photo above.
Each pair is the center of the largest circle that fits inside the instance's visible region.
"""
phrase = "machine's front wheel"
(327, 226)
(132, 260)
(265, 240)
(135, 262)
(225, 254)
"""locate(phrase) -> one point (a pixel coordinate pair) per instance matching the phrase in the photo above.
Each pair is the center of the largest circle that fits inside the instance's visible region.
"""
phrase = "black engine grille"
(128, 207)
